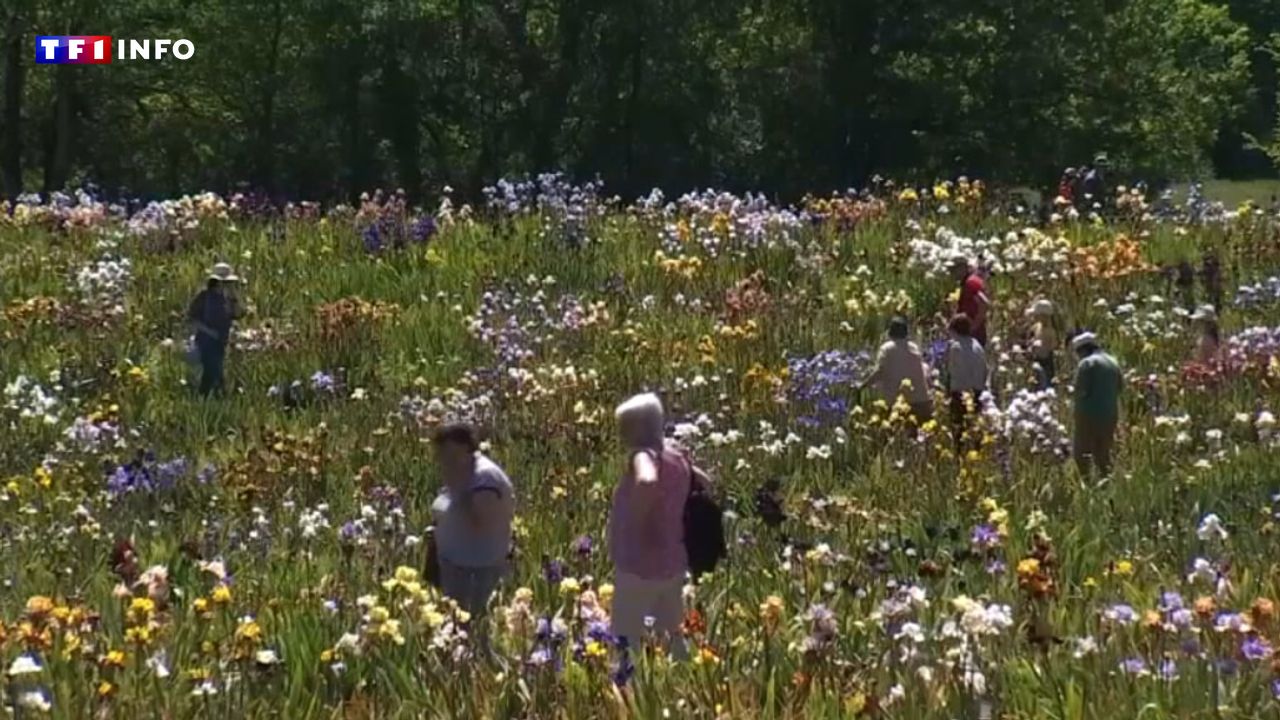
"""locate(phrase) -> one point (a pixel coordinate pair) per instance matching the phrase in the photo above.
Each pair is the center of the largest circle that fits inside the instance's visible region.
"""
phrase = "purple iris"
(1121, 614)
(347, 533)
(599, 631)
(540, 656)
(323, 382)
(818, 384)
(1170, 601)
(552, 570)
(423, 229)
(372, 239)
(1134, 666)
(144, 474)
(1255, 648)
(985, 537)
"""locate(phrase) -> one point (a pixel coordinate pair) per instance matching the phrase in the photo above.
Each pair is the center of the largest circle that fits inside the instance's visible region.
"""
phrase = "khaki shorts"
(635, 599)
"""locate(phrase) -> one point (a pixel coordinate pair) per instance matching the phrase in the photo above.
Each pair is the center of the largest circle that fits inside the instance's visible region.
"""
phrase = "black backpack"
(703, 526)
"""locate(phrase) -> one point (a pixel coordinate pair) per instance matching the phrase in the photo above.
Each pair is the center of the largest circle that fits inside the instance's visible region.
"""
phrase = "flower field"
(261, 554)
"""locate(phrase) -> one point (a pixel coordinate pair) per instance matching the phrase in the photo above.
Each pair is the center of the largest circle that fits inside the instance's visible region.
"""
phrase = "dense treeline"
(323, 98)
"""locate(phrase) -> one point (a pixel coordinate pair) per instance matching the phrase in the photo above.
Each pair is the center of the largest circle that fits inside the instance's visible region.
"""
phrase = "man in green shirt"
(1097, 405)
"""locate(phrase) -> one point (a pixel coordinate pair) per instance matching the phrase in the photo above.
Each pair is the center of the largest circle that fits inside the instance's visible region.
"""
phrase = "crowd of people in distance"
(471, 548)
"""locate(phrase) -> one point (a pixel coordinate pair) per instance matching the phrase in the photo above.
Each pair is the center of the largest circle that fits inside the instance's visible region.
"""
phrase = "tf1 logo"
(97, 49)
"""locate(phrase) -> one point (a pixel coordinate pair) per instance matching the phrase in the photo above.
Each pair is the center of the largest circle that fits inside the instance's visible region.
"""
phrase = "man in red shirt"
(974, 301)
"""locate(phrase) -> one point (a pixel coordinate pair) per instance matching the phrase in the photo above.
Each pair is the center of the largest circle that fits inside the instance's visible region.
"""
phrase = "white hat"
(1205, 312)
(1040, 308)
(1084, 338)
(645, 402)
(222, 272)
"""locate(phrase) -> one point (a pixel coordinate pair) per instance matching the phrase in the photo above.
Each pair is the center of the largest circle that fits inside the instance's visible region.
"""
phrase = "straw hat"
(222, 272)
(1083, 339)
(1040, 308)
(1204, 313)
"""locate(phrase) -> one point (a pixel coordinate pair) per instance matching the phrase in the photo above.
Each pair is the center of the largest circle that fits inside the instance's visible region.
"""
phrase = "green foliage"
(329, 97)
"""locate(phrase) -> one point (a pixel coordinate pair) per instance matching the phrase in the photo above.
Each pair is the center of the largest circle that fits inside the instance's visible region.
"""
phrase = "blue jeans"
(213, 354)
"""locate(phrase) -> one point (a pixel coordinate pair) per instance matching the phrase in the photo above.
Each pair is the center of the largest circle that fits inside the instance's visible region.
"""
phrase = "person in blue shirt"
(211, 314)
(1095, 181)
(473, 517)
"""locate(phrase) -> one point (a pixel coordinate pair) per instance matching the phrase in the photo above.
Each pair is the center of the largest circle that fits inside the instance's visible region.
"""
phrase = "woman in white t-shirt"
(473, 515)
(1209, 344)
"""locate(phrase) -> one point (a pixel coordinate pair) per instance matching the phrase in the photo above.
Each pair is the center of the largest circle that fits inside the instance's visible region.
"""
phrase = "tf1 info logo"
(96, 49)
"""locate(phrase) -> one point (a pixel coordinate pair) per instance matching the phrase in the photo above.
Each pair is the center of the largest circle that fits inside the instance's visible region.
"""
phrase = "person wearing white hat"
(1095, 184)
(1099, 383)
(1208, 348)
(646, 529)
(211, 314)
(1044, 340)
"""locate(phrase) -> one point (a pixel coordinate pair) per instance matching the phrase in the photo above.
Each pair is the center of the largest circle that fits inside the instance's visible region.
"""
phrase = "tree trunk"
(400, 119)
(11, 137)
(355, 152)
(58, 160)
(266, 155)
(633, 97)
(550, 121)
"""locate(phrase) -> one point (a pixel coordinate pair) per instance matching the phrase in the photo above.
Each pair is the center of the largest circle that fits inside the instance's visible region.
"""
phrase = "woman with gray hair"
(646, 529)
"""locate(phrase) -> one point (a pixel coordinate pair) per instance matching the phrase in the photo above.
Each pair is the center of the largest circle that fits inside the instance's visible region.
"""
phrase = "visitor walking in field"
(212, 313)
(1211, 277)
(1067, 188)
(1043, 340)
(473, 516)
(1209, 342)
(1099, 383)
(1095, 181)
(646, 529)
(901, 370)
(966, 374)
(975, 301)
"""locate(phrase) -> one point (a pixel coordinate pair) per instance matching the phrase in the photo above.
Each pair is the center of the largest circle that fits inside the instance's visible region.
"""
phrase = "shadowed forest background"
(327, 98)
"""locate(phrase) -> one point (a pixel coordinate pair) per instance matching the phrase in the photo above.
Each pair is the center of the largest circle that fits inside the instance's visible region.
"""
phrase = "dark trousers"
(1044, 372)
(964, 409)
(212, 356)
(1092, 444)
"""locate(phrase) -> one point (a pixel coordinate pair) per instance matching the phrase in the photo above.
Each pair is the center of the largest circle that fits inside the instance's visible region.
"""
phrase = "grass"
(1234, 192)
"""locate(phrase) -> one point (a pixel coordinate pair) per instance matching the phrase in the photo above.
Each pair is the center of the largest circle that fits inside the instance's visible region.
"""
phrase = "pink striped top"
(651, 545)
